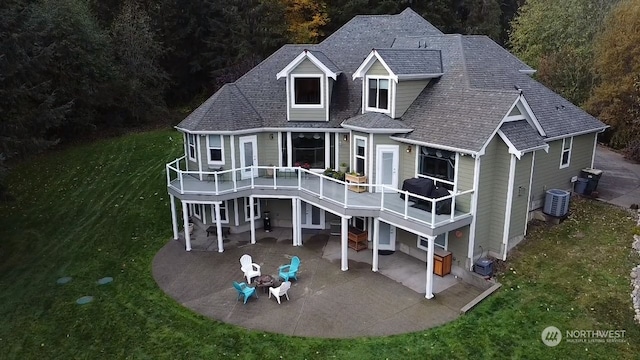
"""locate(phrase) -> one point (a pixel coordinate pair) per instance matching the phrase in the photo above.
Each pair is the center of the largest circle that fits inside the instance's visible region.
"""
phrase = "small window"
(192, 146)
(441, 241)
(215, 152)
(307, 91)
(378, 94)
(565, 159)
(223, 213)
(247, 209)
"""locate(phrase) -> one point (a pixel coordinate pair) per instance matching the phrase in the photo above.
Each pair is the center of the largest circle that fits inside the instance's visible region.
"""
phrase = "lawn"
(102, 210)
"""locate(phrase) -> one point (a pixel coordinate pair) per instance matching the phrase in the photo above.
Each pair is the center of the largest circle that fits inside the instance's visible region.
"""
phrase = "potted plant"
(343, 167)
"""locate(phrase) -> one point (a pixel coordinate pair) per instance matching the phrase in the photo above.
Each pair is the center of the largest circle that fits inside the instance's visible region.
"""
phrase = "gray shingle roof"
(325, 60)
(522, 135)
(460, 109)
(412, 61)
(376, 121)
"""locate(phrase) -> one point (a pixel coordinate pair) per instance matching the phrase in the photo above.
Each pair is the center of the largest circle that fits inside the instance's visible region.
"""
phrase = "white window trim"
(247, 213)
(355, 153)
(292, 91)
(366, 93)
(194, 145)
(223, 205)
(569, 150)
(445, 247)
(215, 162)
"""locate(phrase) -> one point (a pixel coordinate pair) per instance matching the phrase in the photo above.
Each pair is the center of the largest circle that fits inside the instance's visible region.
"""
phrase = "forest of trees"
(78, 69)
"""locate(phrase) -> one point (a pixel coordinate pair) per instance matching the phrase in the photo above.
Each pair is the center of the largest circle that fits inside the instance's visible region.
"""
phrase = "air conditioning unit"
(556, 203)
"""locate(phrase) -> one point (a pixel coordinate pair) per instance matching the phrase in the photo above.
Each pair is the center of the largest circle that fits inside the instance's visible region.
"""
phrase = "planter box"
(356, 179)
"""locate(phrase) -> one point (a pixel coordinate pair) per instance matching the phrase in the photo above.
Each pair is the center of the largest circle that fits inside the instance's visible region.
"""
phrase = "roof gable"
(327, 67)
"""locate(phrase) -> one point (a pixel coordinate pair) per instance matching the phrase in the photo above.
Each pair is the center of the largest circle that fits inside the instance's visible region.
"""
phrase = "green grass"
(102, 210)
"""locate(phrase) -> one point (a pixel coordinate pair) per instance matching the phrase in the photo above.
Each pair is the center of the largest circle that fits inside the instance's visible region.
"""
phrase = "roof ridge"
(464, 61)
(246, 100)
(267, 58)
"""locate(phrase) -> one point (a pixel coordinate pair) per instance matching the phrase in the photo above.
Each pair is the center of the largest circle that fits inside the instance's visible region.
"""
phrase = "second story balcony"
(388, 203)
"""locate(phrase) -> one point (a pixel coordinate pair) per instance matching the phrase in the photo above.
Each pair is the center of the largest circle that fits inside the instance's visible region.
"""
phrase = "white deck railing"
(377, 197)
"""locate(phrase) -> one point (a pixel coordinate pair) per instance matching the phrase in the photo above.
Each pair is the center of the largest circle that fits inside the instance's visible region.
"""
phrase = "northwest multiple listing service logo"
(552, 336)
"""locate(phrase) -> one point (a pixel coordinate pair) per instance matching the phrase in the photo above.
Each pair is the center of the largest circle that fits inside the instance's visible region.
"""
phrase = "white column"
(174, 217)
(344, 242)
(376, 241)
(252, 214)
(294, 221)
(430, 253)
(218, 227)
(299, 209)
(187, 236)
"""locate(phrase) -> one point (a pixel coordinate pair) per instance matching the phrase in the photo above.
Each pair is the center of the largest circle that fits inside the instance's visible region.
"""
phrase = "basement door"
(387, 238)
(311, 217)
(248, 156)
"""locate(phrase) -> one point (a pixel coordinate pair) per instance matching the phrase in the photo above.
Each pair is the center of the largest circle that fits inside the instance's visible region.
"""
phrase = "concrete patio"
(325, 301)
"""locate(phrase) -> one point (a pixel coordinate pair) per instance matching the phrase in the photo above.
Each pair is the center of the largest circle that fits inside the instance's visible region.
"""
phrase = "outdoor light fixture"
(409, 149)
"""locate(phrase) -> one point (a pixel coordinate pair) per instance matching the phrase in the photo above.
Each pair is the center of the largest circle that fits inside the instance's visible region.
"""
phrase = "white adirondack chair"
(281, 290)
(249, 268)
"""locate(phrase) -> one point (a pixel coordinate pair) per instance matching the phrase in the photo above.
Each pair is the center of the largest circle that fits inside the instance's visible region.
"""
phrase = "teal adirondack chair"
(244, 291)
(290, 271)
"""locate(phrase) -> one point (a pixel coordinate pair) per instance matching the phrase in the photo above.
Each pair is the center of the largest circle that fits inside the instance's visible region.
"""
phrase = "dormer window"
(307, 91)
(378, 94)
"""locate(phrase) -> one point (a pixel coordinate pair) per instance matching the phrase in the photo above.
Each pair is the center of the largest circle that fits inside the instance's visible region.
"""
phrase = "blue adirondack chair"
(291, 270)
(244, 291)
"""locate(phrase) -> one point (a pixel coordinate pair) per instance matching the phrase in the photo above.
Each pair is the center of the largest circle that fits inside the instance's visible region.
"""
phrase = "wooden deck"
(317, 190)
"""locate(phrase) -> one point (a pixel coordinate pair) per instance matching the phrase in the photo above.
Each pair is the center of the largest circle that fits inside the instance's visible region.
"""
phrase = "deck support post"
(376, 241)
(429, 286)
(344, 242)
(216, 206)
(294, 221)
(185, 217)
(174, 217)
(252, 214)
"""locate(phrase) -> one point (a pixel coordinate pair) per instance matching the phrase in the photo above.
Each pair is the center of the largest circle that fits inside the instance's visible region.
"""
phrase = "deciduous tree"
(616, 98)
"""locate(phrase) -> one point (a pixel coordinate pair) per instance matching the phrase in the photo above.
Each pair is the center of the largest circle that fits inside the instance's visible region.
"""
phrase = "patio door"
(248, 156)
(387, 237)
(387, 159)
(311, 217)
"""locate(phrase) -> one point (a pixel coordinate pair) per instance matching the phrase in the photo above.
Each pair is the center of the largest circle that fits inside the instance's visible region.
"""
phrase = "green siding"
(547, 173)
(406, 93)
(466, 169)
(520, 196)
(298, 114)
(492, 193)
(377, 69)
(306, 67)
(268, 149)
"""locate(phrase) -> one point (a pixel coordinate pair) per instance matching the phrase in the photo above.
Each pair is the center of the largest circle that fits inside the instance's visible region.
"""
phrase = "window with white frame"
(247, 209)
(565, 159)
(196, 210)
(378, 94)
(224, 218)
(308, 150)
(359, 223)
(360, 154)
(441, 241)
(437, 163)
(191, 142)
(215, 150)
(307, 91)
